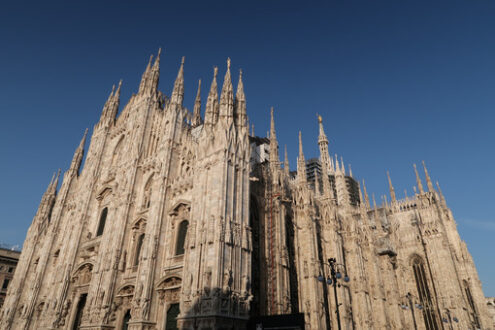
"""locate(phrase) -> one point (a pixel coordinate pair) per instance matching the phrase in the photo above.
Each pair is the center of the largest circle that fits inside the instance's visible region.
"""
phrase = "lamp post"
(411, 306)
(335, 275)
(449, 319)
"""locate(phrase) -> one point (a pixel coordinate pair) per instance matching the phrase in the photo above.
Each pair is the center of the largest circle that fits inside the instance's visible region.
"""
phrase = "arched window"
(429, 313)
(139, 245)
(101, 224)
(125, 321)
(181, 237)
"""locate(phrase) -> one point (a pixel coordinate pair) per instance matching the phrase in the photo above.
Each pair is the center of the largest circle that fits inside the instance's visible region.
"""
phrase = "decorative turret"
(227, 97)
(301, 162)
(429, 184)
(178, 92)
(325, 159)
(240, 104)
(391, 187)
(211, 112)
(78, 155)
(111, 106)
(418, 180)
(196, 121)
(274, 158)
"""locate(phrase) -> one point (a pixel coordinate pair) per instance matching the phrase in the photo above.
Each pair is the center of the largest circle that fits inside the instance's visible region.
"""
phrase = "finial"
(159, 52)
(215, 72)
(374, 201)
(183, 60)
(252, 130)
(240, 74)
(228, 63)
(350, 170)
(366, 197)
(320, 120)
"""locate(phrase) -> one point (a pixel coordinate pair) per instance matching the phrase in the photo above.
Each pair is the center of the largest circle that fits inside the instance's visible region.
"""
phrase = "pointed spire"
(442, 197)
(211, 112)
(273, 134)
(240, 102)
(429, 184)
(301, 162)
(418, 180)
(227, 96)
(374, 201)
(286, 161)
(252, 130)
(197, 107)
(178, 92)
(117, 93)
(366, 197)
(151, 76)
(361, 201)
(325, 158)
(78, 155)
(391, 187)
(274, 157)
(350, 170)
(52, 188)
(337, 166)
(342, 167)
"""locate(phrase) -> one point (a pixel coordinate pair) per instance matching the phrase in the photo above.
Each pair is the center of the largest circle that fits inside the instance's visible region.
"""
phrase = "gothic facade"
(183, 221)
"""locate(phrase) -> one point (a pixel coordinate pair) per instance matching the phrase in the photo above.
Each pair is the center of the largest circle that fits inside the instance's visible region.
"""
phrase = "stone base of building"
(211, 323)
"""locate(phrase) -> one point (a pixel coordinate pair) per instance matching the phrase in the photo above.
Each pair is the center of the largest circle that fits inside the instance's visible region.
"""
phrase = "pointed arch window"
(429, 313)
(139, 246)
(181, 238)
(147, 194)
(103, 220)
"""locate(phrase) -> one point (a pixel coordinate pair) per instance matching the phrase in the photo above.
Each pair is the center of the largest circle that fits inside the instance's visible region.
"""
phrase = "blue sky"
(396, 82)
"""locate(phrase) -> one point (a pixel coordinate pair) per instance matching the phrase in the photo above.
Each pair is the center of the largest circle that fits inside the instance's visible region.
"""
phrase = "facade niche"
(138, 235)
(101, 223)
(147, 194)
(181, 237)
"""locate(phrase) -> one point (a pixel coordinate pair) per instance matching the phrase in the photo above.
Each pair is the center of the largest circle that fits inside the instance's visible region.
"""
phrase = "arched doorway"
(172, 314)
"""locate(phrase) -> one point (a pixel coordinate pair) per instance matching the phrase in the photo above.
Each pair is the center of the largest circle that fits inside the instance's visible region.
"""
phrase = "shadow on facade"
(225, 310)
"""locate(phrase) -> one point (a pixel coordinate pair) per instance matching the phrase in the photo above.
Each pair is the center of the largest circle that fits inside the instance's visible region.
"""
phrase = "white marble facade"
(172, 224)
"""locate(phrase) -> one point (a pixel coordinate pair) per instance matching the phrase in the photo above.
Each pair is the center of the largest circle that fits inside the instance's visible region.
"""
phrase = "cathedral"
(179, 220)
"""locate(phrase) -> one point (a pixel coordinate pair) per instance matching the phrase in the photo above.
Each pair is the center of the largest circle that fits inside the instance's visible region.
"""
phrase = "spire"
(374, 201)
(113, 105)
(52, 188)
(227, 96)
(286, 161)
(325, 159)
(240, 102)
(178, 92)
(366, 197)
(78, 154)
(429, 184)
(350, 170)
(391, 187)
(301, 162)
(418, 180)
(211, 112)
(361, 201)
(337, 166)
(252, 130)
(274, 158)
(197, 107)
(342, 164)
(150, 78)
(442, 197)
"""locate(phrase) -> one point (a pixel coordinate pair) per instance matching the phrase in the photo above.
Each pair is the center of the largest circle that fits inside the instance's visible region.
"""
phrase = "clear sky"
(396, 82)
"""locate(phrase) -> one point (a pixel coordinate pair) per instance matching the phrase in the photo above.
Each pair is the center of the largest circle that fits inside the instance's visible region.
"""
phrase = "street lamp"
(409, 296)
(335, 275)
